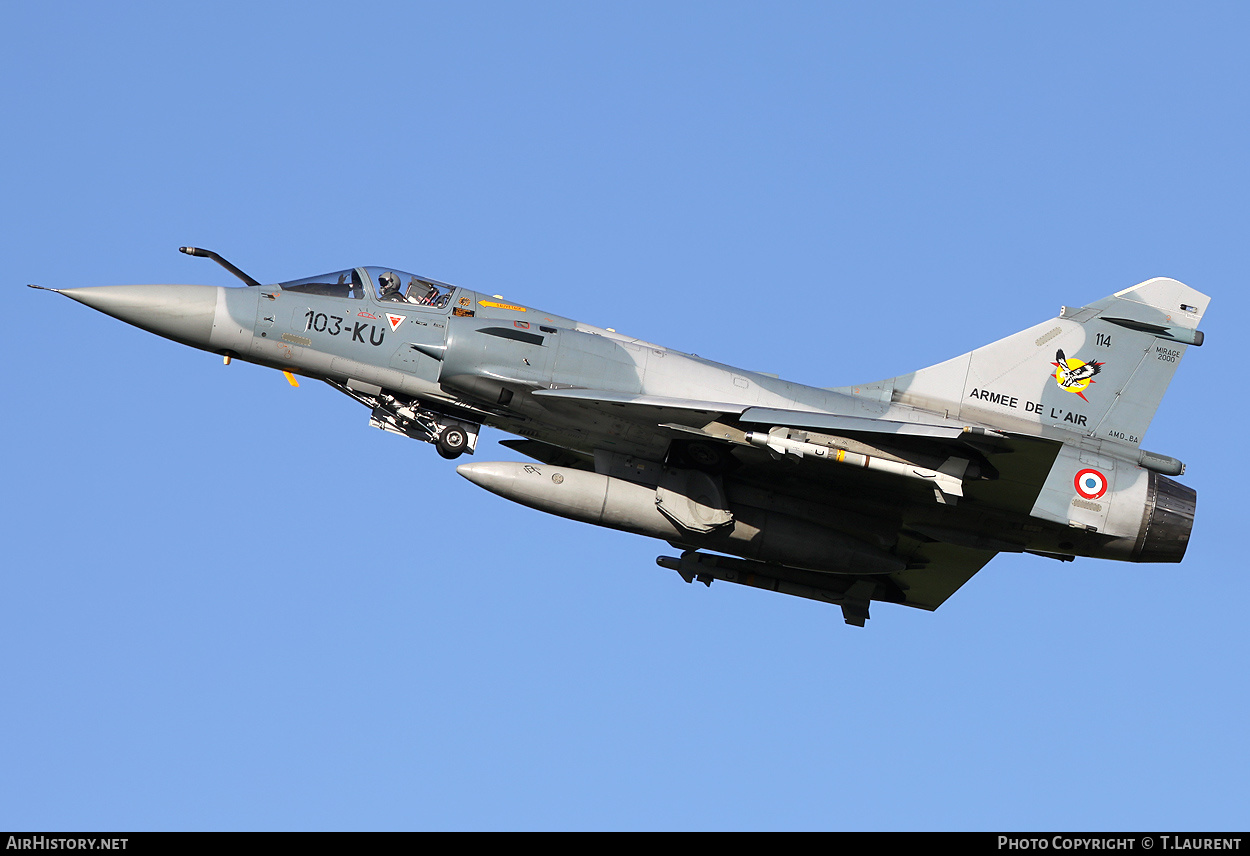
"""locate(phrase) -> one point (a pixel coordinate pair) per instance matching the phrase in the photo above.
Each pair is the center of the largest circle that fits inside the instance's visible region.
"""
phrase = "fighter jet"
(898, 490)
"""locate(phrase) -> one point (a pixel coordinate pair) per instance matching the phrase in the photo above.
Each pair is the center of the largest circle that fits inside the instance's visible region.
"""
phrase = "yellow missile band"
(290, 378)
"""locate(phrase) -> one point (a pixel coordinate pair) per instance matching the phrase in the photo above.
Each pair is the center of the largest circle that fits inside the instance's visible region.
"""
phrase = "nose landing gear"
(452, 436)
(452, 442)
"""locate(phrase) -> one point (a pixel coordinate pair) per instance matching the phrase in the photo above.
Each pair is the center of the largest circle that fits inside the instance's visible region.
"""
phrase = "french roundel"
(1090, 484)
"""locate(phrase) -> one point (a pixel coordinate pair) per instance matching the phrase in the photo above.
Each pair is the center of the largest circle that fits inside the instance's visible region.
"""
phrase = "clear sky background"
(202, 629)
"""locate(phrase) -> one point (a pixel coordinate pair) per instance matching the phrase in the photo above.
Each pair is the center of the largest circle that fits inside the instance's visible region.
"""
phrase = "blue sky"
(203, 631)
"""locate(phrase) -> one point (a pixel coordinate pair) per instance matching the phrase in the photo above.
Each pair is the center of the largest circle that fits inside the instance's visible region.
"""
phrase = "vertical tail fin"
(1098, 371)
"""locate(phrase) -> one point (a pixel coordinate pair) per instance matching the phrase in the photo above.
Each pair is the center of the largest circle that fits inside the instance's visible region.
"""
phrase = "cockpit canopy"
(341, 283)
(389, 285)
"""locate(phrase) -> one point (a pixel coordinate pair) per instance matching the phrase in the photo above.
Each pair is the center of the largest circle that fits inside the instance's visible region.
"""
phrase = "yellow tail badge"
(1074, 375)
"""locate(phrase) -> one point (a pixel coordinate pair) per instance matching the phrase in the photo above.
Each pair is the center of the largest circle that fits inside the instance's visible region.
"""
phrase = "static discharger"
(947, 481)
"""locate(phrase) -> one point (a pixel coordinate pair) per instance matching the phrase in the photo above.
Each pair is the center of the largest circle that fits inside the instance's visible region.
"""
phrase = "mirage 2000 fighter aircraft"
(898, 490)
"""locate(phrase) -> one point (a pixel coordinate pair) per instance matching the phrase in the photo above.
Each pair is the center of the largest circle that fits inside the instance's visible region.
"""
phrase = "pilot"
(390, 287)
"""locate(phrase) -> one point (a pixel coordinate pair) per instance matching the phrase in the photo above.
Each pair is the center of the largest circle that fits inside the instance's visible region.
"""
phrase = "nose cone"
(183, 313)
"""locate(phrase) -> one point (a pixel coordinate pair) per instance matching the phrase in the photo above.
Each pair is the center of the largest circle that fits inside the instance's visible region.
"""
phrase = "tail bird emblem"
(1074, 375)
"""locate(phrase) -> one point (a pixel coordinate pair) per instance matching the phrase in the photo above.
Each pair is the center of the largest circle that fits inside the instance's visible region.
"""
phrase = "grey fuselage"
(953, 458)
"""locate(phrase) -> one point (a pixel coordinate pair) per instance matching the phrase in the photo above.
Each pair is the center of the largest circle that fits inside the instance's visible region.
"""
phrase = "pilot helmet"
(389, 281)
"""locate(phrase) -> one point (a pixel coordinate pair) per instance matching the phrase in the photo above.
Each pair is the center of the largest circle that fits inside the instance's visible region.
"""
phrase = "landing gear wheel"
(452, 443)
(711, 458)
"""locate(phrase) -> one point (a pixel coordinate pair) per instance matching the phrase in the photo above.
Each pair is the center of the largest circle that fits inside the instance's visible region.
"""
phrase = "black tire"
(709, 457)
(452, 443)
